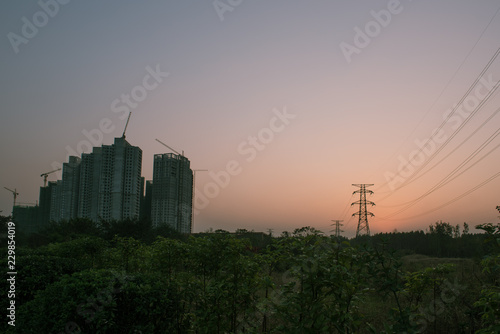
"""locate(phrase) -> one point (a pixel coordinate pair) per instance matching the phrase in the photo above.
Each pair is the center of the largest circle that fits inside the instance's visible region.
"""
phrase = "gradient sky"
(353, 120)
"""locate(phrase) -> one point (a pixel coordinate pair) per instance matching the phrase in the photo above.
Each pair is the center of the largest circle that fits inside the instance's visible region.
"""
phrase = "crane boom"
(169, 147)
(126, 124)
(45, 175)
(53, 171)
(14, 193)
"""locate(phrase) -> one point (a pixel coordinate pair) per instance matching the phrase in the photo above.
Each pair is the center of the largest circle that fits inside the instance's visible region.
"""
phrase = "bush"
(102, 302)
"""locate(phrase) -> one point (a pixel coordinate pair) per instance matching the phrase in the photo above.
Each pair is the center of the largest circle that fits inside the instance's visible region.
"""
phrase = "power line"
(449, 177)
(445, 87)
(420, 150)
(406, 203)
(346, 208)
(453, 135)
(456, 148)
(350, 219)
(455, 199)
(406, 182)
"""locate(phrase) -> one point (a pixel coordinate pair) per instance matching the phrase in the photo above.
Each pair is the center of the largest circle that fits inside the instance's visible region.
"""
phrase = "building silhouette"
(45, 200)
(106, 185)
(60, 199)
(172, 192)
(56, 201)
(146, 202)
(27, 217)
(110, 182)
(70, 188)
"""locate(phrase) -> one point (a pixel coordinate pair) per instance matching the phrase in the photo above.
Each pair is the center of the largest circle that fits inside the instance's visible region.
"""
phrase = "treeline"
(440, 239)
(125, 277)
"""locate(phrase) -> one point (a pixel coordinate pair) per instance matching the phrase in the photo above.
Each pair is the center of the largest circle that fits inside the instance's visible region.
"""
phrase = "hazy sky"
(296, 99)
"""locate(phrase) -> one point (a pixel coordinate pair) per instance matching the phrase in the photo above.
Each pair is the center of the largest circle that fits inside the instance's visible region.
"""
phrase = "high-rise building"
(146, 203)
(56, 201)
(89, 184)
(45, 201)
(27, 218)
(59, 200)
(172, 192)
(70, 188)
(110, 182)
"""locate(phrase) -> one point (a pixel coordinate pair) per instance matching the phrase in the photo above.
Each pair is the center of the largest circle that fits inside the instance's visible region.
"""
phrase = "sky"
(286, 103)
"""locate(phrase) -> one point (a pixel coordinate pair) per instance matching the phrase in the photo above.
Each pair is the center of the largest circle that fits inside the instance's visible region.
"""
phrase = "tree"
(103, 302)
(87, 250)
(442, 233)
(39, 271)
(466, 229)
(489, 301)
(322, 285)
(133, 228)
(305, 231)
(126, 254)
(225, 282)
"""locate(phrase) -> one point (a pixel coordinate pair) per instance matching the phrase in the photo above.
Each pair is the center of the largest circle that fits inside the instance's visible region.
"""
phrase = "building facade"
(146, 203)
(172, 192)
(70, 188)
(110, 182)
(27, 218)
(56, 201)
(45, 200)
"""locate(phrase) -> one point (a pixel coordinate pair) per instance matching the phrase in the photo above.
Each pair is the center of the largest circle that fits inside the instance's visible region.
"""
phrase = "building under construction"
(106, 185)
(172, 192)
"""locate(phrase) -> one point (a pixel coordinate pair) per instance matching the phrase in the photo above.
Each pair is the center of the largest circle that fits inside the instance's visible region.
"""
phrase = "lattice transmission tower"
(337, 227)
(363, 213)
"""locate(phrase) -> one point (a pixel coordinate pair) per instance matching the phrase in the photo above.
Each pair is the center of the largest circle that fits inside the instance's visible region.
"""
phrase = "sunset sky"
(298, 100)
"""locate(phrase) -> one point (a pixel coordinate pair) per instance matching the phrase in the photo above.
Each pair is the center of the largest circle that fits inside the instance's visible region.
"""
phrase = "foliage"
(128, 276)
(102, 302)
(87, 250)
(489, 301)
(36, 272)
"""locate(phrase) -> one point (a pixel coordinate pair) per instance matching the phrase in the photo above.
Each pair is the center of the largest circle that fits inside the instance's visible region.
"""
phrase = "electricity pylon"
(337, 227)
(363, 213)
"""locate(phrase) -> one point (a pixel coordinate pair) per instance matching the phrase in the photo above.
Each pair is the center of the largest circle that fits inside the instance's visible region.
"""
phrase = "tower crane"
(126, 124)
(14, 193)
(194, 181)
(170, 147)
(45, 175)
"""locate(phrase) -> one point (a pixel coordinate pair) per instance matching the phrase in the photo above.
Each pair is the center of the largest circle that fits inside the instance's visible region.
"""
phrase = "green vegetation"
(127, 277)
